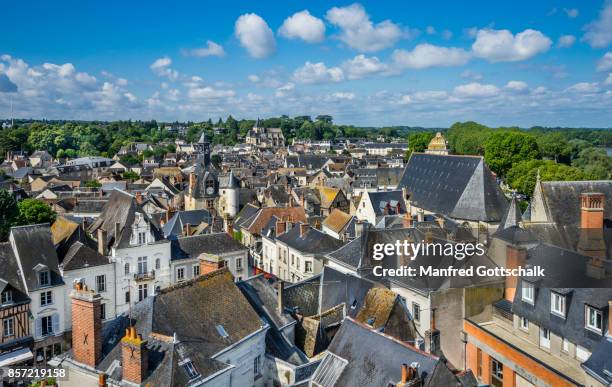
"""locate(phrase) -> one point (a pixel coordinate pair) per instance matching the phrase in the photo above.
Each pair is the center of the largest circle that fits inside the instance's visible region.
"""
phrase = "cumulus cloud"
(517, 86)
(362, 66)
(341, 95)
(161, 67)
(208, 92)
(584, 87)
(475, 90)
(605, 63)
(284, 90)
(599, 32)
(317, 73)
(503, 46)
(428, 55)
(566, 41)
(211, 49)
(255, 36)
(359, 32)
(302, 25)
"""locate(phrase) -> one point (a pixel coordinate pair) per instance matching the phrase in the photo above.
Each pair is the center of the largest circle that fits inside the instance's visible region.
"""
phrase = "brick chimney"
(228, 225)
(280, 227)
(86, 325)
(210, 263)
(515, 257)
(102, 242)
(410, 376)
(134, 356)
(592, 210)
(139, 197)
(187, 230)
(304, 227)
(407, 220)
(102, 380)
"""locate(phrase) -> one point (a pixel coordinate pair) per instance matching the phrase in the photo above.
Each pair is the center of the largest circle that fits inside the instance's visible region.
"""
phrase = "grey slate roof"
(25, 238)
(175, 225)
(9, 271)
(364, 367)
(121, 208)
(80, 256)
(193, 246)
(460, 187)
(572, 327)
(599, 365)
(312, 242)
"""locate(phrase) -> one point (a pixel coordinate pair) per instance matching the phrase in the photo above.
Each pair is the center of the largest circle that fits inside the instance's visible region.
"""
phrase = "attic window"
(7, 296)
(190, 369)
(43, 278)
(222, 332)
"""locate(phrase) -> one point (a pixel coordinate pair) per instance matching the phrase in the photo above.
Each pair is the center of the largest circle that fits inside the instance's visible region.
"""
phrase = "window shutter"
(55, 322)
(38, 327)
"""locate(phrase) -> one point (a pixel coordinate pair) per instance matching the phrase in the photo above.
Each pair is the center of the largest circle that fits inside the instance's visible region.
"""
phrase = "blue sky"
(367, 63)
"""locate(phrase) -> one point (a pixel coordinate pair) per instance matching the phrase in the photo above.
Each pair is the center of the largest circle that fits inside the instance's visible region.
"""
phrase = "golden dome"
(437, 143)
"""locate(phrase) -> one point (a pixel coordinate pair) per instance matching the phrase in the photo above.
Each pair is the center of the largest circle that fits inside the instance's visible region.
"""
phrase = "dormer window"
(142, 237)
(43, 278)
(189, 368)
(528, 293)
(7, 297)
(557, 304)
(593, 319)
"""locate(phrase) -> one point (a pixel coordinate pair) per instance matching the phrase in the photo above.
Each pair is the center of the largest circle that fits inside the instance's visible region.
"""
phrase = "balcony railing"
(145, 276)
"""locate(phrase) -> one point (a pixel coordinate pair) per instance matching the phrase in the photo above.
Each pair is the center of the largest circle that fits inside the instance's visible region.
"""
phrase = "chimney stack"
(592, 210)
(303, 229)
(86, 325)
(228, 225)
(407, 222)
(515, 256)
(102, 380)
(102, 242)
(280, 227)
(281, 299)
(139, 197)
(134, 356)
(187, 230)
(398, 208)
(210, 263)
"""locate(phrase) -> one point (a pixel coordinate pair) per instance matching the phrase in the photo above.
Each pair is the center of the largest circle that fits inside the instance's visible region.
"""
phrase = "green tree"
(523, 175)
(93, 184)
(468, 138)
(554, 145)
(130, 175)
(595, 162)
(9, 213)
(34, 211)
(506, 148)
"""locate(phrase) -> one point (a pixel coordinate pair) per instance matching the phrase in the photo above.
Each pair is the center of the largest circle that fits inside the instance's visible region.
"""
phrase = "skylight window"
(222, 332)
(190, 369)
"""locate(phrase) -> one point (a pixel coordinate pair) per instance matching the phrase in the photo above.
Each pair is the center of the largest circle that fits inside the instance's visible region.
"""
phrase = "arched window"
(127, 268)
(157, 263)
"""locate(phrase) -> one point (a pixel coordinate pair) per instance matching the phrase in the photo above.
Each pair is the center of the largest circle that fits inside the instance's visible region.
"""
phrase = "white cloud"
(584, 87)
(211, 49)
(161, 67)
(302, 25)
(605, 63)
(599, 32)
(502, 46)
(255, 36)
(358, 31)
(475, 90)
(469, 74)
(317, 73)
(572, 13)
(208, 92)
(284, 90)
(253, 78)
(341, 95)
(429, 95)
(362, 66)
(517, 86)
(608, 80)
(173, 94)
(566, 41)
(428, 55)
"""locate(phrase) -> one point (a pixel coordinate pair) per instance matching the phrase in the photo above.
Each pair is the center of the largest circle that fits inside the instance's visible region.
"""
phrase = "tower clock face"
(210, 190)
